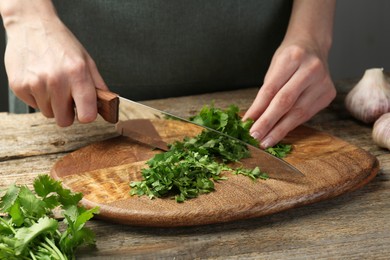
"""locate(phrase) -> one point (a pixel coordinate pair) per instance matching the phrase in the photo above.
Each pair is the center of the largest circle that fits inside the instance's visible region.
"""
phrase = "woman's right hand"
(47, 67)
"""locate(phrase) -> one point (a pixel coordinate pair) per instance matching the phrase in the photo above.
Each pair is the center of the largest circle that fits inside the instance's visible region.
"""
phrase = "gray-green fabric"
(3, 76)
(148, 49)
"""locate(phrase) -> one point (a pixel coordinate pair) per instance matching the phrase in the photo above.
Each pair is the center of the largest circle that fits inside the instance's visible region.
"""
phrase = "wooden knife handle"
(108, 105)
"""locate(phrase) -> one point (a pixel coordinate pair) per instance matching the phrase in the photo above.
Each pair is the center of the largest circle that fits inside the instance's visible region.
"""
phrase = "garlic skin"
(370, 97)
(381, 131)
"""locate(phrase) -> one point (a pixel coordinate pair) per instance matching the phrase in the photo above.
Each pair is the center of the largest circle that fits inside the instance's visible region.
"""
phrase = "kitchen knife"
(135, 120)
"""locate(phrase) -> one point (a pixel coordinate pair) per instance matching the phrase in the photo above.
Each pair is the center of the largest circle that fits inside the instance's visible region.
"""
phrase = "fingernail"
(266, 142)
(255, 135)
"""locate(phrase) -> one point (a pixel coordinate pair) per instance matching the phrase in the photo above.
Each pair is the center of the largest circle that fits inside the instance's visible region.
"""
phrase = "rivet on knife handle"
(108, 105)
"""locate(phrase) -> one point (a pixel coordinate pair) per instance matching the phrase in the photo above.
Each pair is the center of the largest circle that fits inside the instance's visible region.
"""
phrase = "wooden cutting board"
(102, 171)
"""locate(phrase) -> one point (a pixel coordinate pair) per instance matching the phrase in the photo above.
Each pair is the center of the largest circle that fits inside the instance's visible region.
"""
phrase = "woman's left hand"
(296, 87)
(297, 84)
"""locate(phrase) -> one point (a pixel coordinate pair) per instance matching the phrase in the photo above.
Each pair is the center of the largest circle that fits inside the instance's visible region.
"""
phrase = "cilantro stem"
(32, 255)
(54, 248)
(8, 225)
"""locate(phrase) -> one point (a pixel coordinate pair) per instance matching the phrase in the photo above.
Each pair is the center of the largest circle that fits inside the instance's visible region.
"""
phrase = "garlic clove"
(381, 131)
(370, 97)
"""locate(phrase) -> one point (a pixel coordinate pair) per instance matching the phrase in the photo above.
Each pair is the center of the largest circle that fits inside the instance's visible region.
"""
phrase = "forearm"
(20, 11)
(312, 21)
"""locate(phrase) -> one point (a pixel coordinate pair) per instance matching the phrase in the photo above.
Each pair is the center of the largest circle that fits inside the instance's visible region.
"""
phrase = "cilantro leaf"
(16, 214)
(45, 186)
(26, 235)
(31, 205)
(76, 233)
(9, 198)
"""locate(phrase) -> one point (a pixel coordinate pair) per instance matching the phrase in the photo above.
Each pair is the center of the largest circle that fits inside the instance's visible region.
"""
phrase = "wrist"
(320, 44)
(19, 11)
(311, 23)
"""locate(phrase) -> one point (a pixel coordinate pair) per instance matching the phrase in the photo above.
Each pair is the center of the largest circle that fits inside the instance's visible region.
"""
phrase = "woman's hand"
(296, 87)
(297, 84)
(46, 65)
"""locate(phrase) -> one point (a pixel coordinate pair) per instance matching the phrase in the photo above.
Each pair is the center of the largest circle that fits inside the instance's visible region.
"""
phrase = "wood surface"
(103, 171)
(354, 225)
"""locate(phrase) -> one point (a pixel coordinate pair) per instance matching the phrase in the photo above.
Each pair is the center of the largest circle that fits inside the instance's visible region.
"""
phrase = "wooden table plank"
(352, 226)
(24, 135)
(23, 171)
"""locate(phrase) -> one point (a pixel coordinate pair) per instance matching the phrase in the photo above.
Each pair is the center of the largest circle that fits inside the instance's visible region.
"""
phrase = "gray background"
(361, 41)
(361, 37)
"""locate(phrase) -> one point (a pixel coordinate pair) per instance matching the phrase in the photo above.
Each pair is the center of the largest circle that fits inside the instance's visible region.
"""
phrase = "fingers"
(32, 91)
(84, 93)
(59, 94)
(280, 105)
(52, 72)
(62, 106)
(284, 102)
(95, 75)
(283, 67)
(311, 101)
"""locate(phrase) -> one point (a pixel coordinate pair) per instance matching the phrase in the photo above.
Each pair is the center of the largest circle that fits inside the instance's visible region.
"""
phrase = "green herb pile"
(191, 166)
(279, 150)
(28, 229)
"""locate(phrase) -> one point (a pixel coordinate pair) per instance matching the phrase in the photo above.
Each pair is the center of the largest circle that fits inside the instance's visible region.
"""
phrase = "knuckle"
(16, 86)
(300, 114)
(295, 53)
(32, 84)
(285, 101)
(75, 67)
(263, 125)
(269, 92)
(35, 85)
(53, 80)
(315, 65)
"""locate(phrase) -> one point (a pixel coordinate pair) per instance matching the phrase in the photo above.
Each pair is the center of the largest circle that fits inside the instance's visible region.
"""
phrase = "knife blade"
(134, 120)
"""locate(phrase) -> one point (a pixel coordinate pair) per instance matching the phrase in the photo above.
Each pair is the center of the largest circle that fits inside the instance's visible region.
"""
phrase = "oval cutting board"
(102, 171)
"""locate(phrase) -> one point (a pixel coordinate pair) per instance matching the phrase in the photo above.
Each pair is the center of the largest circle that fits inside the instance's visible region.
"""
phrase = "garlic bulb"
(381, 131)
(370, 97)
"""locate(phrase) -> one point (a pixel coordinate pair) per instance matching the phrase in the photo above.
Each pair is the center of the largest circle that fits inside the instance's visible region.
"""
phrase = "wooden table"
(355, 225)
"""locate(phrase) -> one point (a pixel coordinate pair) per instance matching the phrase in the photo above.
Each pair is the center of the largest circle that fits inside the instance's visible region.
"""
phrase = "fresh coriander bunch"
(28, 229)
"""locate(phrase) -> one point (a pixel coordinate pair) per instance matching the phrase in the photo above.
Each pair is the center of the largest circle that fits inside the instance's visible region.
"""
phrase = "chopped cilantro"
(191, 166)
(279, 150)
(226, 121)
